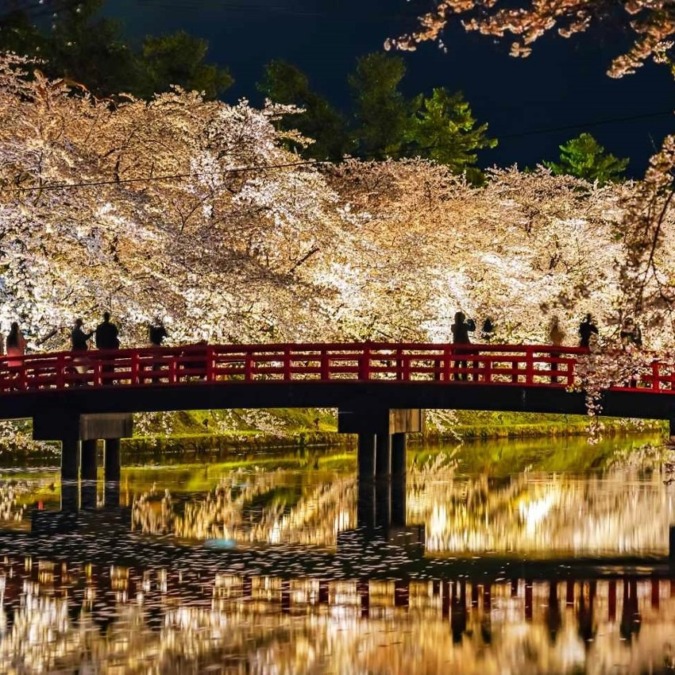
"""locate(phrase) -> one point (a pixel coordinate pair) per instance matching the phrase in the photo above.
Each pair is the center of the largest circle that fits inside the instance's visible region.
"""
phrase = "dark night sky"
(563, 83)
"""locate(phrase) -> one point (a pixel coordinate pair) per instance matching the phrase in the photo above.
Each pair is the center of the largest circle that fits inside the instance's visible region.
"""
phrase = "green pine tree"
(382, 113)
(443, 129)
(585, 158)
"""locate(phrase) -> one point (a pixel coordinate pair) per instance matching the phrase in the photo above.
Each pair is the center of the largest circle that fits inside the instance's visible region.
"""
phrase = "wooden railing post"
(364, 364)
(248, 367)
(487, 368)
(287, 363)
(656, 376)
(325, 365)
(210, 364)
(22, 377)
(529, 365)
(60, 374)
(447, 362)
(135, 368)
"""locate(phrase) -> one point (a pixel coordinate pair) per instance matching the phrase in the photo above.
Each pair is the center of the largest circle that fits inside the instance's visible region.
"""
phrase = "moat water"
(502, 557)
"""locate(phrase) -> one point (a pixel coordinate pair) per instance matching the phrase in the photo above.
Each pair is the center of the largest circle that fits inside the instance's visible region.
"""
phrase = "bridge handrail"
(471, 364)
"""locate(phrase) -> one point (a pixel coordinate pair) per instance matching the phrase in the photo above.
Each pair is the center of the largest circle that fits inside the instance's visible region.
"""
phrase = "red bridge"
(379, 389)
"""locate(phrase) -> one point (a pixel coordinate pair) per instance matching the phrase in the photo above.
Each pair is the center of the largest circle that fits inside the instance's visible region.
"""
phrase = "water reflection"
(527, 513)
(190, 570)
(117, 619)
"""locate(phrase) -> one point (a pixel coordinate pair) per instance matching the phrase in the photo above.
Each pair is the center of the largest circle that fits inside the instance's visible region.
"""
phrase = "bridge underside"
(363, 396)
(381, 413)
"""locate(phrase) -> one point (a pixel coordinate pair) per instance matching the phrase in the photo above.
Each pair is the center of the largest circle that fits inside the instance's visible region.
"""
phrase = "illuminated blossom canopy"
(651, 22)
(196, 211)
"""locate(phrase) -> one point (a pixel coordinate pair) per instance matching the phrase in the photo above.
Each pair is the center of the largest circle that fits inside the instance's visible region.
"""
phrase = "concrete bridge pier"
(382, 437)
(112, 459)
(89, 461)
(78, 435)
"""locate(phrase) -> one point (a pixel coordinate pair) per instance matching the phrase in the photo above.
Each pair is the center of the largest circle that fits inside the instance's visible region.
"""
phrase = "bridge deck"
(363, 376)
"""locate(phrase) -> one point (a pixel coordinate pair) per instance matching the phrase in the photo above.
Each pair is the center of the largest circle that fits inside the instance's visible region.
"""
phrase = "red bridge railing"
(500, 365)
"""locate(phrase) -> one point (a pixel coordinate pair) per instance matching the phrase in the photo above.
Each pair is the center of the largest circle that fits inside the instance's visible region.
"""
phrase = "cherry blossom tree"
(651, 22)
(179, 207)
(195, 210)
(652, 26)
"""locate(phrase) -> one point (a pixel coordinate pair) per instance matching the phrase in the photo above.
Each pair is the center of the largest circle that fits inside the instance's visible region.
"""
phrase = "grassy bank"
(290, 429)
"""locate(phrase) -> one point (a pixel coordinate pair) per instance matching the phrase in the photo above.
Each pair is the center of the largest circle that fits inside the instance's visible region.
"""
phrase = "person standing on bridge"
(157, 332)
(78, 338)
(16, 345)
(460, 336)
(107, 335)
(586, 329)
(556, 336)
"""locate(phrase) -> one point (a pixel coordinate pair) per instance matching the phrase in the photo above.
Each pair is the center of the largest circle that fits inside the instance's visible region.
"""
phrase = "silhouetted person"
(78, 338)
(107, 334)
(78, 343)
(556, 335)
(16, 346)
(487, 331)
(157, 333)
(630, 334)
(460, 336)
(586, 329)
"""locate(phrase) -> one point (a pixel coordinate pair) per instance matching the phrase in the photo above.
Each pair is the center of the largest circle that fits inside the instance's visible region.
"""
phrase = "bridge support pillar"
(71, 428)
(70, 458)
(366, 457)
(112, 459)
(111, 494)
(381, 432)
(383, 455)
(398, 448)
(89, 464)
(70, 496)
(365, 503)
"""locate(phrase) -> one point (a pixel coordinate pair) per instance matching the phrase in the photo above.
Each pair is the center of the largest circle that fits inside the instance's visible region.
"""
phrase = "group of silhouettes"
(106, 336)
(630, 333)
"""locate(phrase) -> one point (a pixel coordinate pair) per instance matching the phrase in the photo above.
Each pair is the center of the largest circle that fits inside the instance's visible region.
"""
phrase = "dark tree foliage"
(440, 127)
(382, 113)
(91, 50)
(284, 83)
